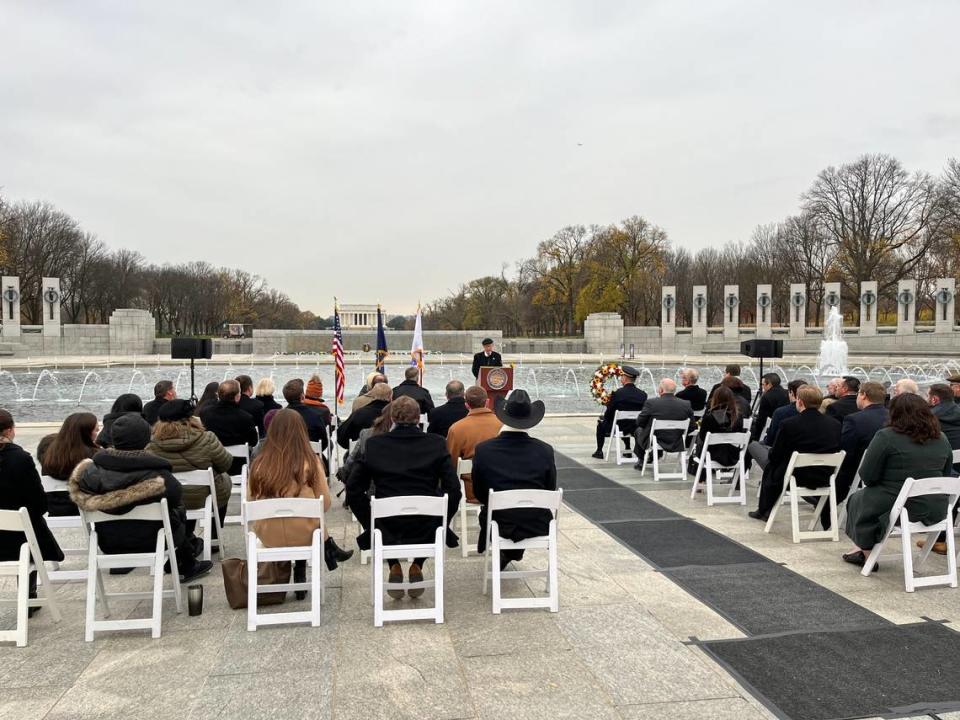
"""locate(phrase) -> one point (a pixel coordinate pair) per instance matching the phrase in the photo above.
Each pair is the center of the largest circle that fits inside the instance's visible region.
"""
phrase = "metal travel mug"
(195, 599)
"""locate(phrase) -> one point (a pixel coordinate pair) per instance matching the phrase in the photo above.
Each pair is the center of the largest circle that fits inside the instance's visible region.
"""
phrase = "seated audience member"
(179, 438)
(773, 396)
(666, 406)
(59, 454)
(208, 398)
(954, 381)
(126, 403)
(162, 392)
(454, 409)
(479, 425)
(855, 435)
(627, 397)
(692, 393)
(906, 386)
(912, 446)
(732, 371)
(410, 387)
(265, 390)
(313, 393)
(316, 418)
(741, 394)
(722, 416)
(229, 423)
(403, 461)
(809, 432)
(373, 378)
(759, 451)
(20, 487)
(120, 478)
(940, 399)
(846, 402)
(381, 424)
(288, 468)
(514, 461)
(250, 404)
(830, 396)
(378, 397)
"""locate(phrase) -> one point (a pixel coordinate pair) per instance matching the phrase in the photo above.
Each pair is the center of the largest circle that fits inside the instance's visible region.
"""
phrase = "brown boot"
(416, 575)
(396, 576)
(939, 547)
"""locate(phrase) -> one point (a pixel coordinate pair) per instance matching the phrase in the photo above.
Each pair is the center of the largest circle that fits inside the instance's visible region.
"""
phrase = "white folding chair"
(714, 471)
(654, 449)
(747, 424)
(209, 514)
(826, 494)
(164, 551)
(525, 499)
(424, 422)
(615, 439)
(916, 488)
(30, 560)
(237, 451)
(692, 432)
(425, 505)
(956, 457)
(64, 522)
(464, 467)
(281, 508)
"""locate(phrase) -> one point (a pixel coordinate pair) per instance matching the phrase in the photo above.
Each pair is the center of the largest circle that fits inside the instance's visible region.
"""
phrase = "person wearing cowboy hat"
(514, 461)
(627, 397)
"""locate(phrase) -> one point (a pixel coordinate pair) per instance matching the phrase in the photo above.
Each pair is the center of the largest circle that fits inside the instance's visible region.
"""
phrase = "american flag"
(337, 352)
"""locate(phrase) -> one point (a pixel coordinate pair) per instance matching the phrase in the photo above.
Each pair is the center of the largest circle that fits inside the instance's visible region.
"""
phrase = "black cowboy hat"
(518, 412)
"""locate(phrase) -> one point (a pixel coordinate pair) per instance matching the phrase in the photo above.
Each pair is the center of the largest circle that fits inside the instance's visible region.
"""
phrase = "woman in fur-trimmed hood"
(118, 479)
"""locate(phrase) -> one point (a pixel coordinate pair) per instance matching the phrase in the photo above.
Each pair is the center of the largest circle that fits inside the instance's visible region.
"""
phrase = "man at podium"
(486, 358)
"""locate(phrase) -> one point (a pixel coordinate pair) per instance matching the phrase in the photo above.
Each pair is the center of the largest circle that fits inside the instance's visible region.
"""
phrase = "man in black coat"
(249, 404)
(733, 371)
(774, 396)
(666, 406)
(410, 388)
(692, 393)
(846, 402)
(454, 409)
(940, 398)
(363, 417)
(316, 418)
(514, 461)
(627, 397)
(228, 422)
(486, 358)
(759, 450)
(809, 432)
(162, 391)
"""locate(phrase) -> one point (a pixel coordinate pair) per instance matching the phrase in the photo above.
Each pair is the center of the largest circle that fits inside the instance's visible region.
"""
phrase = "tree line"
(38, 240)
(869, 219)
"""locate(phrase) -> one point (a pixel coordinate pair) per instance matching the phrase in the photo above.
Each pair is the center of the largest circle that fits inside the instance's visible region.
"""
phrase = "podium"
(497, 381)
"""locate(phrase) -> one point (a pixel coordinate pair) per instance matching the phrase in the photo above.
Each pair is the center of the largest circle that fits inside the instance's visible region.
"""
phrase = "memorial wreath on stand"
(598, 386)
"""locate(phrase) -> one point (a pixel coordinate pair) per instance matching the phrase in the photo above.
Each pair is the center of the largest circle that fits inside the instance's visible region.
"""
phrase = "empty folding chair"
(464, 467)
(714, 471)
(654, 449)
(621, 454)
(238, 451)
(282, 508)
(916, 488)
(29, 561)
(165, 551)
(406, 506)
(65, 522)
(827, 494)
(528, 500)
(209, 515)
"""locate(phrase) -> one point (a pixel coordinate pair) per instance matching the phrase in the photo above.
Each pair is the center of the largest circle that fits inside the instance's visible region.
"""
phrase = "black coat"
(269, 403)
(231, 424)
(441, 418)
(411, 389)
(255, 409)
(404, 461)
(842, 406)
(746, 394)
(779, 415)
(775, 397)
(855, 435)
(360, 420)
(105, 438)
(695, 395)
(949, 416)
(151, 409)
(20, 487)
(480, 360)
(664, 407)
(808, 432)
(317, 420)
(628, 397)
(718, 421)
(513, 461)
(115, 482)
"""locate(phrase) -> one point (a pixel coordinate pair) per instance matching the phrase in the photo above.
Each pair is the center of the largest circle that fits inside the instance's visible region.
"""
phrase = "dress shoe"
(415, 575)
(858, 558)
(939, 547)
(757, 515)
(396, 576)
(598, 455)
(200, 568)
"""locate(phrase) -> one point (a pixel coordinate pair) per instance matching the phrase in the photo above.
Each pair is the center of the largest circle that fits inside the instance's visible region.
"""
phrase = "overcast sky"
(389, 151)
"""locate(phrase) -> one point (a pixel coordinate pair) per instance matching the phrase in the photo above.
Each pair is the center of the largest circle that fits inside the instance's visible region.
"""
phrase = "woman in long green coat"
(911, 446)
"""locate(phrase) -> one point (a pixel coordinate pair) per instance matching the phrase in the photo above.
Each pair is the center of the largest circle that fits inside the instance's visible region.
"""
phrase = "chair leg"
(464, 550)
(709, 478)
(907, 552)
(251, 584)
(317, 580)
(23, 597)
(794, 513)
(553, 570)
(495, 566)
(438, 579)
(951, 553)
(157, 587)
(377, 569)
(207, 529)
(834, 523)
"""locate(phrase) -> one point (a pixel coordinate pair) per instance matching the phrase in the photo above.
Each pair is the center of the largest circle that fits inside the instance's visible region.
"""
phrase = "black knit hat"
(130, 432)
(173, 410)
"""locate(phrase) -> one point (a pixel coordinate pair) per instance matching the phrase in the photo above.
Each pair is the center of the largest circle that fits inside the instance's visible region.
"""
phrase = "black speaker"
(762, 348)
(191, 348)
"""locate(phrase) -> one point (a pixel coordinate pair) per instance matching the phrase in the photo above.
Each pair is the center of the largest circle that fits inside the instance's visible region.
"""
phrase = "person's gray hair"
(691, 373)
(454, 389)
(667, 385)
(412, 373)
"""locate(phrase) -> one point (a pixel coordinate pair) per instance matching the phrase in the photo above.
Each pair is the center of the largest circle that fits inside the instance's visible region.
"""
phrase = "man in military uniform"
(486, 358)
(627, 397)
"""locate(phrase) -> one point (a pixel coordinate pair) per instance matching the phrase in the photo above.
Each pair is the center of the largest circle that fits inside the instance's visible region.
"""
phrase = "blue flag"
(381, 343)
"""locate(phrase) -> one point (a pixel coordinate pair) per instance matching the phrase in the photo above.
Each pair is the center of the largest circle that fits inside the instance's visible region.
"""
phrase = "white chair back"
(740, 439)
(826, 493)
(525, 499)
(209, 515)
(712, 470)
(279, 508)
(51, 484)
(239, 451)
(424, 421)
(464, 466)
(956, 457)
(317, 447)
(621, 455)
(407, 505)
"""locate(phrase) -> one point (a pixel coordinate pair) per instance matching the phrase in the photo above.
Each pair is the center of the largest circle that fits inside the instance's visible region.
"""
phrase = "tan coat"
(464, 435)
(293, 532)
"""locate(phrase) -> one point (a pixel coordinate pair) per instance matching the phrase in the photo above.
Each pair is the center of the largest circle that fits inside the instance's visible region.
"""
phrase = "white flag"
(416, 350)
